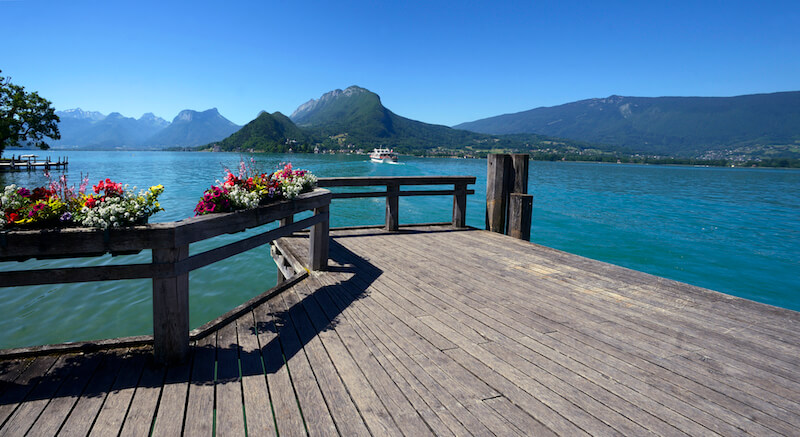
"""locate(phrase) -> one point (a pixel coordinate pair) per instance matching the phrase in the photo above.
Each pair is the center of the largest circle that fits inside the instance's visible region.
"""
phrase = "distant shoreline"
(777, 163)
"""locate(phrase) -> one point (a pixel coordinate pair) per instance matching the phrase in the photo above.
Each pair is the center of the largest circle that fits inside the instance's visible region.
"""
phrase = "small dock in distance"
(435, 329)
(30, 162)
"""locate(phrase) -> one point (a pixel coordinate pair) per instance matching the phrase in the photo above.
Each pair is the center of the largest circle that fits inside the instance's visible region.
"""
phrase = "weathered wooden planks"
(199, 418)
(142, 410)
(434, 254)
(172, 403)
(434, 331)
(111, 416)
(227, 384)
(288, 417)
(91, 399)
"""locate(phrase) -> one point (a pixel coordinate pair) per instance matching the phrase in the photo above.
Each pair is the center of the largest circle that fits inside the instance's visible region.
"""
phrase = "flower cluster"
(294, 182)
(60, 204)
(250, 189)
(119, 206)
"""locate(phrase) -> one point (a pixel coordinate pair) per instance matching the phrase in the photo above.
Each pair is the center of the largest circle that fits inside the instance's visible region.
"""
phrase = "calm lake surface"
(736, 231)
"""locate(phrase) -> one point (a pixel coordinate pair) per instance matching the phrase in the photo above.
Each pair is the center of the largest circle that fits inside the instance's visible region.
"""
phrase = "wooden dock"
(433, 330)
(30, 162)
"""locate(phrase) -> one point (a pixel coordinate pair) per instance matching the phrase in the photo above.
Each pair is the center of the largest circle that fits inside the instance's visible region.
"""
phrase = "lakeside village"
(734, 157)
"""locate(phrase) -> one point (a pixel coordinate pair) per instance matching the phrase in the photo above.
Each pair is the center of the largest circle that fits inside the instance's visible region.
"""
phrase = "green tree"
(25, 118)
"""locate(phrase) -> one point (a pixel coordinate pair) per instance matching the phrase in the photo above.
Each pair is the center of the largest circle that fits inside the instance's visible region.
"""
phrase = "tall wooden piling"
(519, 164)
(498, 175)
(520, 211)
(507, 175)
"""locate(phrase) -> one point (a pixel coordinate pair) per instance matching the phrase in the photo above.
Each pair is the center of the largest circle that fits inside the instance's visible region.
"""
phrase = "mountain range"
(355, 118)
(91, 129)
(743, 128)
(673, 126)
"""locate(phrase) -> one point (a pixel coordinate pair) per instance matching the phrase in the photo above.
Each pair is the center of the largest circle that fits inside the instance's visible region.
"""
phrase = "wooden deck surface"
(432, 331)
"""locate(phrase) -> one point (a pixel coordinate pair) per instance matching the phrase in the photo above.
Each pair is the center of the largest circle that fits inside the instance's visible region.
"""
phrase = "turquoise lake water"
(736, 231)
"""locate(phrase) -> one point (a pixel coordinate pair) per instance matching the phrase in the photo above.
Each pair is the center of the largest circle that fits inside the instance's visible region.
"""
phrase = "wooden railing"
(393, 192)
(171, 262)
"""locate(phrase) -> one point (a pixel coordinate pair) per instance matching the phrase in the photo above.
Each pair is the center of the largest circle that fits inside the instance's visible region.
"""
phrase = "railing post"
(288, 220)
(318, 241)
(392, 206)
(520, 210)
(460, 205)
(171, 309)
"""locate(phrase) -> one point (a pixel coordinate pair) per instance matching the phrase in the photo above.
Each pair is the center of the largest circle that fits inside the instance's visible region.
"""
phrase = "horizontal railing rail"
(393, 192)
(171, 262)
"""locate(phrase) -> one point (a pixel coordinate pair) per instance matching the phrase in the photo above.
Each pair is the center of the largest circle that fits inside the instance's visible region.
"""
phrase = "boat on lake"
(383, 155)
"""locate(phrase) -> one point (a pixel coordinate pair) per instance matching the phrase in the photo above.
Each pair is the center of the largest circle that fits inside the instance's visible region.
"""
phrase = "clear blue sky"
(438, 62)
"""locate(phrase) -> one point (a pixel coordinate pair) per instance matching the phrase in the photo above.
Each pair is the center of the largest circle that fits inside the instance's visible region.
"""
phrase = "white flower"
(242, 199)
(10, 198)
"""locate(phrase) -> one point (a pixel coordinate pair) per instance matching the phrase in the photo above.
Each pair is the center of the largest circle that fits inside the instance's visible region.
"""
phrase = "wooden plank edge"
(297, 261)
(78, 346)
(408, 225)
(383, 226)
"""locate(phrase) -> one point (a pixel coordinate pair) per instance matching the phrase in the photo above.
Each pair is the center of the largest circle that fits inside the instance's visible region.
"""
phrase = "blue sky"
(438, 62)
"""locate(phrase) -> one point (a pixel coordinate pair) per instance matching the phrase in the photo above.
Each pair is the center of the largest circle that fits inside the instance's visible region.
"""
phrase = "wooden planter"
(171, 262)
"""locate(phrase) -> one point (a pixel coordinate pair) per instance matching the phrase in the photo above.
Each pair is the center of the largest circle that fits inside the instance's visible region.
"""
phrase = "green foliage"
(25, 118)
(273, 133)
(777, 163)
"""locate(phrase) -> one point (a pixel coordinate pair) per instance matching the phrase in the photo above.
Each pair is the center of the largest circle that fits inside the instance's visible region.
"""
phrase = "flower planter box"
(19, 245)
(171, 262)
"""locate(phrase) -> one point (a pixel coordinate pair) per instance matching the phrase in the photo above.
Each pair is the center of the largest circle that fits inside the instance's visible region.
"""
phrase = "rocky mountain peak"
(80, 114)
(185, 115)
(313, 104)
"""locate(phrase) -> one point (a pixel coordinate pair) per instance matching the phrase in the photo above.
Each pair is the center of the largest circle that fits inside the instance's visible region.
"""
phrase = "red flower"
(12, 217)
(111, 188)
(90, 202)
(41, 193)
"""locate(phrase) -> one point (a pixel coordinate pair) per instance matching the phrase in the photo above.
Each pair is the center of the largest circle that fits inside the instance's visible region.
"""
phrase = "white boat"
(383, 155)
